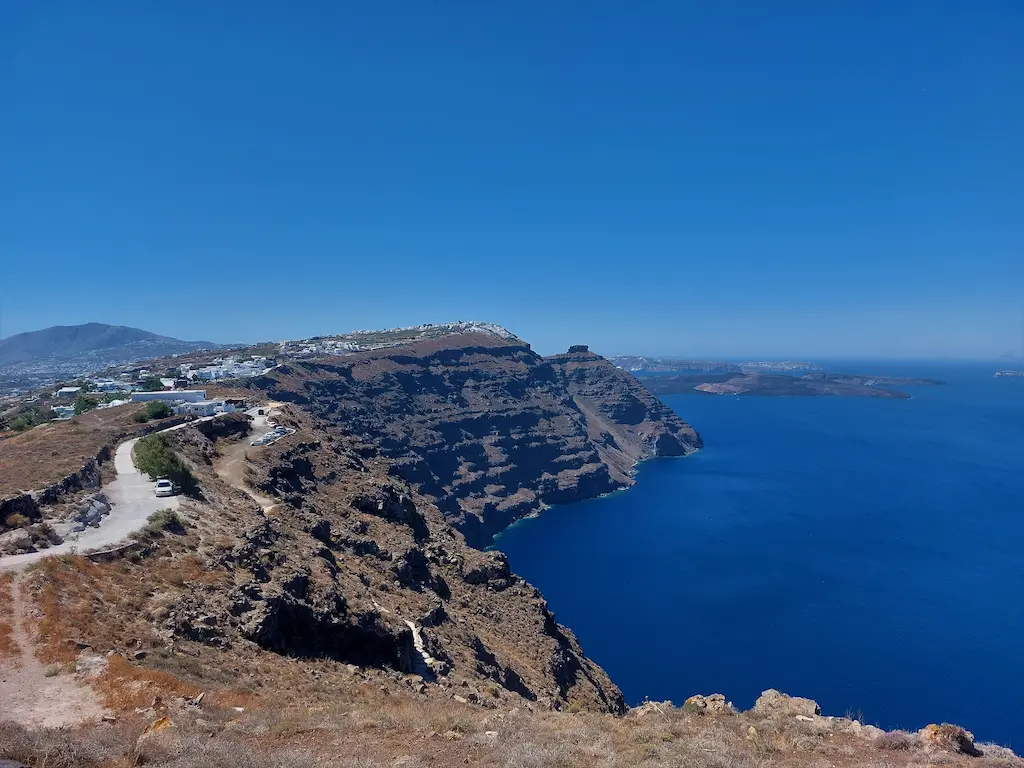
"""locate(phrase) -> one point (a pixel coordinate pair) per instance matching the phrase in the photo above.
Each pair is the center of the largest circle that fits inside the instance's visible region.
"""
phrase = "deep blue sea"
(865, 553)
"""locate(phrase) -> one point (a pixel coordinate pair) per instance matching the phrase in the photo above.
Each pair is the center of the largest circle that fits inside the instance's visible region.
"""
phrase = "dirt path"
(28, 695)
(230, 467)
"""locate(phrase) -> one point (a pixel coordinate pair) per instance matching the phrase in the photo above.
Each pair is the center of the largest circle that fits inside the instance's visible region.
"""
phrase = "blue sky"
(709, 179)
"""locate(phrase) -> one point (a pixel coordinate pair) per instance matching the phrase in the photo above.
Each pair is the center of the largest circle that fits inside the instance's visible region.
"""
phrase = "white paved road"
(132, 497)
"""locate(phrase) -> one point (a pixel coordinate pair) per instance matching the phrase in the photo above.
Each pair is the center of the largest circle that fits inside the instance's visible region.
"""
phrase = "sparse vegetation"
(8, 647)
(29, 417)
(164, 520)
(16, 521)
(155, 456)
(151, 384)
(377, 731)
(897, 741)
(85, 404)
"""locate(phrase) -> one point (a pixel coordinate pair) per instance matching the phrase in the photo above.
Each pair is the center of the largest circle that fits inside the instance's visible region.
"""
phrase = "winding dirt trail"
(230, 467)
(28, 694)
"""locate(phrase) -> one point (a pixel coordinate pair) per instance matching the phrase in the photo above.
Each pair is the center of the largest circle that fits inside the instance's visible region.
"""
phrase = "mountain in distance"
(92, 343)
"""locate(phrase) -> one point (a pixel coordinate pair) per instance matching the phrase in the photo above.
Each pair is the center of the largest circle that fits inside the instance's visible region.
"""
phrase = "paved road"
(132, 497)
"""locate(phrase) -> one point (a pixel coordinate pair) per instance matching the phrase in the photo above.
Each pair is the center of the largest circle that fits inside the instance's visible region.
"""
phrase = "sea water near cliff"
(865, 553)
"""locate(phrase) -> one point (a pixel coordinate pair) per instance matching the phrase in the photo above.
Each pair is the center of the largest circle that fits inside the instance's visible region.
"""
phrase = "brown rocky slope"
(487, 428)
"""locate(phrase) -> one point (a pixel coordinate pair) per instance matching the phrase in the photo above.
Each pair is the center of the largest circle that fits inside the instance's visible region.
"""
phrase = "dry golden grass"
(106, 605)
(47, 454)
(8, 646)
(125, 687)
(382, 730)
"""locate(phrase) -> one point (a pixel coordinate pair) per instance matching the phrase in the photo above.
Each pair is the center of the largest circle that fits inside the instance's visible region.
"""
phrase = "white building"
(205, 408)
(174, 396)
(69, 391)
(63, 411)
(223, 368)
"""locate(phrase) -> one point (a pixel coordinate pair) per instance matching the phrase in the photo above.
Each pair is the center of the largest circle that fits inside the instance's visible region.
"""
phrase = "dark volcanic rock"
(486, 427)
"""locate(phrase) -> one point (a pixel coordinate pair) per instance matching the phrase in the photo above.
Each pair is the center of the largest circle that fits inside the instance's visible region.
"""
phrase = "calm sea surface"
(868, 554)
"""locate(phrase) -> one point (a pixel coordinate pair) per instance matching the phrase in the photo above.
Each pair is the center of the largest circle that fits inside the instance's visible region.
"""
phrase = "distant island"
(817, 384)
(639, 364)
(1008, 374)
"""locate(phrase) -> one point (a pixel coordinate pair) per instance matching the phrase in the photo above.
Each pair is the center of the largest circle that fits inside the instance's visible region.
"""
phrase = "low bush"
(158, 409)
(155, 409)
(16, 521)
(85, 404)
(164, 520)
(30, 417)
(898, 741)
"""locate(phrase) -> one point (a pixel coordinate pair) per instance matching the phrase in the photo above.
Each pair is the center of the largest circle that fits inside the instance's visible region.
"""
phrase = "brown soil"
(32, 694)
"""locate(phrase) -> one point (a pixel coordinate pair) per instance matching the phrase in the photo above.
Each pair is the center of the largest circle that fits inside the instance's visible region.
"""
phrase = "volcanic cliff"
(487, 428)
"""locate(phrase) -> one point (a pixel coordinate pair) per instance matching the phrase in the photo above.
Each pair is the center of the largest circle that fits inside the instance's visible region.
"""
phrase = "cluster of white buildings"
(227, 368)
(189, 401)
(319, 347)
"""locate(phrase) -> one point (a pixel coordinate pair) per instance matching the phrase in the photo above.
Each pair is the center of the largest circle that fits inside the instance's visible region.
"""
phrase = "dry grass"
(47, 454)
(387, 731)
(897, 741)
(8, 646)
(107, 606)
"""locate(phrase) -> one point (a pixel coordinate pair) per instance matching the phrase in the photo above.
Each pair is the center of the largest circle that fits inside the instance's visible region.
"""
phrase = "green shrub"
(152, 384)
(164, 520)
(84, 404)
(154, 456)
(158, 409)
(155, 409)
(30, 417)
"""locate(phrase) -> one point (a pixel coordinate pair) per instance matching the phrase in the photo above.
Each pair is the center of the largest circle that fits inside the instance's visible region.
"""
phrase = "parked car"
(165, 487)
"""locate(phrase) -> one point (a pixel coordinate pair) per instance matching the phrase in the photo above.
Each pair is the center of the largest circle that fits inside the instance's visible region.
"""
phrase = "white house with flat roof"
(69, 391)
(63, 411)
(205, 408)
(173, 396)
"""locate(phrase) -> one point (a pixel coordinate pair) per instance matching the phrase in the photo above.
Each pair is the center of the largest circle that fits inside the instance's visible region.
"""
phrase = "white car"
(165, 487)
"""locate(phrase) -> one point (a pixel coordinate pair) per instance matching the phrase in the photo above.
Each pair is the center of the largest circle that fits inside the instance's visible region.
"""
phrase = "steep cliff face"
(487, 428)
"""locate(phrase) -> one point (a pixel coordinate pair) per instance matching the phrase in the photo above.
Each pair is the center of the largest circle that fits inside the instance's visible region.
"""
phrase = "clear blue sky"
(707, 178)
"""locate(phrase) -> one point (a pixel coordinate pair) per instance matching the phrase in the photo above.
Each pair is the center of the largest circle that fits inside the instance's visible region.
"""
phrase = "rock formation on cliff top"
(486, 427)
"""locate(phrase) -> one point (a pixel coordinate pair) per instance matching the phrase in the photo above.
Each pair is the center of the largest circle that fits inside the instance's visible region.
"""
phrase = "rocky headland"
(487, 428)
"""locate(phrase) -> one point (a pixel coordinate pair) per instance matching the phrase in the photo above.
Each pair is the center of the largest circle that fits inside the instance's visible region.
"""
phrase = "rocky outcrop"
(949, 738)
(486, 427)
(772, 702)
(16, 509)
(358, 568)
(27, 506)
(714, 704)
